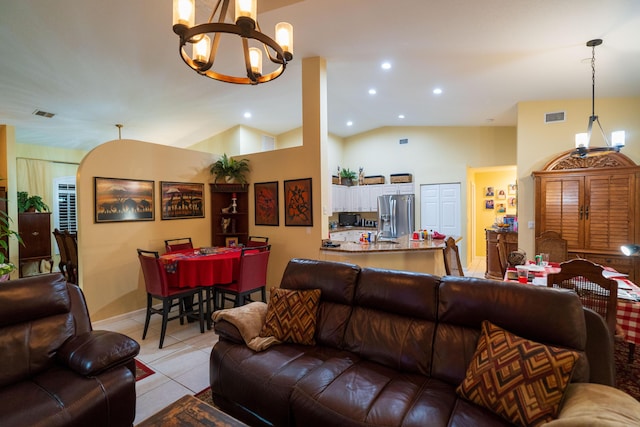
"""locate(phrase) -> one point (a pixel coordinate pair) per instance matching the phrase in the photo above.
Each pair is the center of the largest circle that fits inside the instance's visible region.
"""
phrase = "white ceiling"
(95, 63)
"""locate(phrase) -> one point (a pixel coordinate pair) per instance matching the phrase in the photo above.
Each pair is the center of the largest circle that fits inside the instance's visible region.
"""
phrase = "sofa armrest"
(596, 405)
(91, 353)
(599, 349)
(228, 331)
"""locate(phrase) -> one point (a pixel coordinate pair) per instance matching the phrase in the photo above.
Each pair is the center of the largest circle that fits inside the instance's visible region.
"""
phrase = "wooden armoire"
(593, 203)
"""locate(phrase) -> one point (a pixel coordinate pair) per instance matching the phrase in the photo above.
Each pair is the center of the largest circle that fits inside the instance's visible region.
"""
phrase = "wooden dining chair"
(595, 291)
(452, 265)
(71, 243)
(157, 286)
(254, 241)
(550, 242)
(64, 252)
(252, 277)
(503, 256)
(179, 244)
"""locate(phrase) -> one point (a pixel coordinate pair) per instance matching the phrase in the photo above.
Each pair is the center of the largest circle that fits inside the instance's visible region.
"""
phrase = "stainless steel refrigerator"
(396, 215)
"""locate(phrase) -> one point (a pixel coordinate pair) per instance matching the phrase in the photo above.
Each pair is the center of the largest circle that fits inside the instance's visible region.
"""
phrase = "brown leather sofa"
(55, 370)
(391, 348)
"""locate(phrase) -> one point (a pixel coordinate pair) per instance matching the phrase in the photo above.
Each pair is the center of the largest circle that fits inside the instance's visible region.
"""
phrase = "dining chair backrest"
(62, 247)
(595, 291)
(550, 242)
(452, 265)
(503, 256)
(252, 271)
(155, 279)
(257, 241)
(178, 244)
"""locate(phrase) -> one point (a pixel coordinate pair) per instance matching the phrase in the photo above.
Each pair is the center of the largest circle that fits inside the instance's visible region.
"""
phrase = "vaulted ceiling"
(95, 63)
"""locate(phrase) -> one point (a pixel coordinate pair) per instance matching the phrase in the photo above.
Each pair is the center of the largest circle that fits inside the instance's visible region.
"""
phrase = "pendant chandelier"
(584, 139)
(204, 40)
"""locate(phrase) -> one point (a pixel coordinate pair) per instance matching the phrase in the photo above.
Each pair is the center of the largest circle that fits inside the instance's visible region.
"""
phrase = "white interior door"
(440, 208)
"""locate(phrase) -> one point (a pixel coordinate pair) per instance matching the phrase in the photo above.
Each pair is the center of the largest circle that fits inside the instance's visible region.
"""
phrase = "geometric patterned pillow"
(291, 316)
(520, 380)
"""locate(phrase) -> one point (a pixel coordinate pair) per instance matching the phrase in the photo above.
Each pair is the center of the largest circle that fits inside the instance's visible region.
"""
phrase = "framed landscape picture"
(182, 200)
(266, 203)
(298, 203)
(117, 200)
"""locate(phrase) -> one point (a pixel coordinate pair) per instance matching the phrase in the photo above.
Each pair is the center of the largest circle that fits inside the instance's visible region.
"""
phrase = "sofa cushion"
(291, 316)
(518, 379)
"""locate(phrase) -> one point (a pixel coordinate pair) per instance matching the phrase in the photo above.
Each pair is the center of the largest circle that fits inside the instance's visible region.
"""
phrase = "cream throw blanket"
(249, 320)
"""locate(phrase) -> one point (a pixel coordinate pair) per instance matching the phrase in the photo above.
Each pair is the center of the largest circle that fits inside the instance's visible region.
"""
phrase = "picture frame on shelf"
(266, 203)
(121, 200)
(231, 242)
(181, 200)
(298, 203)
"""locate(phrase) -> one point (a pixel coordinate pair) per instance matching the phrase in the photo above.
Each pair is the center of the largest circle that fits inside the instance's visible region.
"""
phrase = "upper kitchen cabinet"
(364, 198)
(592, 203)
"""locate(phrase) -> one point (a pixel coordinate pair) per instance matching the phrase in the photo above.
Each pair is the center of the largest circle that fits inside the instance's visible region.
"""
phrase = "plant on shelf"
(28, 203)
(347, 176)
(229, 169)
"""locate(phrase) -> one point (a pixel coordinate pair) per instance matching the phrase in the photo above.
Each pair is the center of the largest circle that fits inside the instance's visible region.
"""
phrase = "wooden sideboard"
(493, 263)
(35, 230)
(593, 204)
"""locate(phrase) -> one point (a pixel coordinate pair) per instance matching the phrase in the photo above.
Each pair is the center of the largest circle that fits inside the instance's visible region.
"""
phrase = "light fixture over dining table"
(583, 149)
(204, 40)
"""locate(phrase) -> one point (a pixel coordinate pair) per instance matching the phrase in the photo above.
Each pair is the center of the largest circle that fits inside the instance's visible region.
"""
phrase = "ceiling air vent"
(43, 114)
(554, 117)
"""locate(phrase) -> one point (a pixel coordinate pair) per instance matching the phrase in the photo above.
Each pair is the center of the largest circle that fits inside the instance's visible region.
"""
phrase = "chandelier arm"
(604, 135)
(247, 61)
(222, 13)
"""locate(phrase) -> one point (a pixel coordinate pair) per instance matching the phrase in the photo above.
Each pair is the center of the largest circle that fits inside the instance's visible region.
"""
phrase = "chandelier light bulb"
(246, 11)
(617, 138)
(284, 37)
(201, 50)
(255, 57)
(582, 140)
(184, 13)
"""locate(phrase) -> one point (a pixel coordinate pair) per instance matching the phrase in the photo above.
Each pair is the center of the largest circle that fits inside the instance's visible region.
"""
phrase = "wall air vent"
(43, 114)
(557, 116)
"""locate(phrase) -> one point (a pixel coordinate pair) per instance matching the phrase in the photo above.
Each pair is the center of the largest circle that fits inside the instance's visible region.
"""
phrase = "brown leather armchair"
(56, 370)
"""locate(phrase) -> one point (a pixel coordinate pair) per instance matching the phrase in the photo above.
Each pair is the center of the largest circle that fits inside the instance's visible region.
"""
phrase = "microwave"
(348, 219)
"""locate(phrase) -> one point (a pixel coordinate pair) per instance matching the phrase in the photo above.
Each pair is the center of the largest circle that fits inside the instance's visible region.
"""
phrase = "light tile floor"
(182, 365)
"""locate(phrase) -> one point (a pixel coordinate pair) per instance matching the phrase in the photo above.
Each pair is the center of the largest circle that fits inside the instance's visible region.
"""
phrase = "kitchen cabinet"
(493, 270)
(592, 203)
(364, 198)
(238, 223)
(35, 230)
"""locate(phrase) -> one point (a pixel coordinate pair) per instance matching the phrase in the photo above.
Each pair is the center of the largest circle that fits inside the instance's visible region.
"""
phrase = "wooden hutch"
(237, 224)
(593, 203)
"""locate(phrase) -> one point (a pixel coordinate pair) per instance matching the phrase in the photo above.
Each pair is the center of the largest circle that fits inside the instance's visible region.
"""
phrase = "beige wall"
(538, 143)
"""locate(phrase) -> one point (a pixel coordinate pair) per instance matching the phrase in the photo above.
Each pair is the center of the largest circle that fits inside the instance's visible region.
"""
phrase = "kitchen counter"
(421, 256)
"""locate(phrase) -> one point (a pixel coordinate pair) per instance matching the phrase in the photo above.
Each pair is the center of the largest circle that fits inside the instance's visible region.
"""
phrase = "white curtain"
(36, 177)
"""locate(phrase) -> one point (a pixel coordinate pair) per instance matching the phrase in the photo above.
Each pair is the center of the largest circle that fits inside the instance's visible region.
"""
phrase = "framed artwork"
(266, 203)
(298, 202)
(512, 188)
(501, 194)
(501, 208)
(488, 204)
(512, 202)
(231, 242)
(182, 200)
(488, 192)
(117, 200)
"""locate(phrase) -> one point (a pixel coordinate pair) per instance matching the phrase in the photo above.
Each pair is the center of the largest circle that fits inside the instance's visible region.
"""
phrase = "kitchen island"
(400, 254)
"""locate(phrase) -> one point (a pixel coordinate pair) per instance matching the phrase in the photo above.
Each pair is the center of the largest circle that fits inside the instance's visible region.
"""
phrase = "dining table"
(628, 309)
(190, 268)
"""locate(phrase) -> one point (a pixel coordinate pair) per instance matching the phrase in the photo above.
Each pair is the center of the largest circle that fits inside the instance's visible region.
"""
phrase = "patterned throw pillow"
(520, 380)
(291, 316)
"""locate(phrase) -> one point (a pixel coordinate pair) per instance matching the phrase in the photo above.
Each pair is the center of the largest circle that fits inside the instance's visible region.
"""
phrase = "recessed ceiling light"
(247, 115)
(386, 66)
(437, 91)
(372, 92)
(401, 116)
(349, 123)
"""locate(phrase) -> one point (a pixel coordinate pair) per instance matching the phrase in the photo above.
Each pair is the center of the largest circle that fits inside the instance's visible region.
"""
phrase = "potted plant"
(28, 203)
(5, 234)
(347, 176)
(230, 169)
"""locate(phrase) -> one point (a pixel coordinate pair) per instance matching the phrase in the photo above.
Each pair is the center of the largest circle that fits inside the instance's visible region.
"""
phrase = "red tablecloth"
(189, 268)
